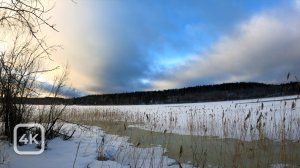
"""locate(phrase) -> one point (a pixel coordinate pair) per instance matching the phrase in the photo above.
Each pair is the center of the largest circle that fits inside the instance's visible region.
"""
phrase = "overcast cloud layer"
(119, 46)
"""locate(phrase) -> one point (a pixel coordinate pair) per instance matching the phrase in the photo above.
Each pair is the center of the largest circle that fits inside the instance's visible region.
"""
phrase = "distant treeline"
(220, 92)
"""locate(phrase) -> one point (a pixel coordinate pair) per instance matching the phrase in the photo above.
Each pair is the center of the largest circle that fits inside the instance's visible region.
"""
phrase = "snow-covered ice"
(275, 117)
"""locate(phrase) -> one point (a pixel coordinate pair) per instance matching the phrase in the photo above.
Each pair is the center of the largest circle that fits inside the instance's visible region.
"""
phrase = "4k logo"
(29, 137)
(24, 140)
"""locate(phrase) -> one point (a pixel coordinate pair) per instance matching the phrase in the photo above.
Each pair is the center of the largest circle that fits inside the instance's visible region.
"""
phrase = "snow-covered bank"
(61, 154)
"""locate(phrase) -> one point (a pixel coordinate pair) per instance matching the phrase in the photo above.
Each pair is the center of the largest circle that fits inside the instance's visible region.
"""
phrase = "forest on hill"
(205, 93)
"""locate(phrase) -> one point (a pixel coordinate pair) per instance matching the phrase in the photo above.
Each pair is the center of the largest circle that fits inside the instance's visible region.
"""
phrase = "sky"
(116, 46)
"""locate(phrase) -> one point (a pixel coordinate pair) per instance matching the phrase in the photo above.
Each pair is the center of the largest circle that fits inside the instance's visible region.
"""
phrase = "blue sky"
(130, 45)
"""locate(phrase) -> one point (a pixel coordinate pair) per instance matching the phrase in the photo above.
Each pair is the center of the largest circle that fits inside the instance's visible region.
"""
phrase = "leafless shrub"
(19, 67)
(21, 24)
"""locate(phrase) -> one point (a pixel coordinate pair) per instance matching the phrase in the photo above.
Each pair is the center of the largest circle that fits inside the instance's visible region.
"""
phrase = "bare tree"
(18, 69)
(20, 62)
(27, 16)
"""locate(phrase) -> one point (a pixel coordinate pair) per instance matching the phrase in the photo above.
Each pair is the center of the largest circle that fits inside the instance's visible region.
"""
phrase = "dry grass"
(253, 147)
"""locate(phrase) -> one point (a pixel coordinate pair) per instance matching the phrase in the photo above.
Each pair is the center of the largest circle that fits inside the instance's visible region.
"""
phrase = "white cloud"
(264, 49)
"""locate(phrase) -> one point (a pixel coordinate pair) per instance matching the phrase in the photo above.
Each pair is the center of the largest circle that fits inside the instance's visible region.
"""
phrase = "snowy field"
(276, 119)
(273, 118)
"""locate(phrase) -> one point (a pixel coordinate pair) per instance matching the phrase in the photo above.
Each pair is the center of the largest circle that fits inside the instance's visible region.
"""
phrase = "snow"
(61, 154)
(225, 119)
(228, 119)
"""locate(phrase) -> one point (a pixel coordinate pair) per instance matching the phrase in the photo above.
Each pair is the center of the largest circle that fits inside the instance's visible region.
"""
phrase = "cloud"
(264, 48)
(115, 46)
(47, 89)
